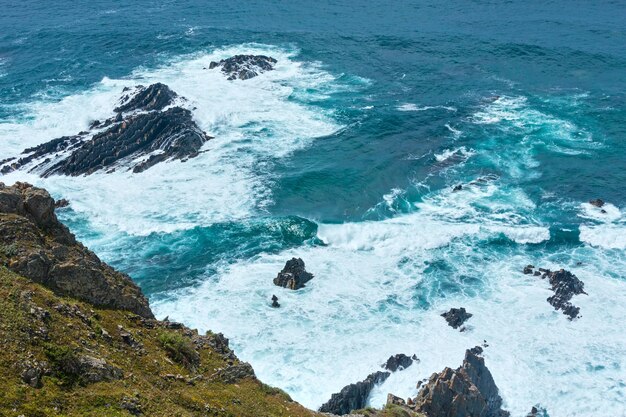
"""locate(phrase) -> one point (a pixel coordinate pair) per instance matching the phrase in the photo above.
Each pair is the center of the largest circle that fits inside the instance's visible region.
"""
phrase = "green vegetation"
(39, 327)
(179, 349)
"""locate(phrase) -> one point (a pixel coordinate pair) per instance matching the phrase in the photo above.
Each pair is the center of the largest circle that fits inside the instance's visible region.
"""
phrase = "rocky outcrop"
(399, 361)
(145, 131)
(275, 302)
(598, 202)
(565, 285)
(37, 246)
(456, 317)
(91, 370)
(468, 391)
(353, 396)
(244, 67)
(236, 373)
(154, 97)
(294, 275)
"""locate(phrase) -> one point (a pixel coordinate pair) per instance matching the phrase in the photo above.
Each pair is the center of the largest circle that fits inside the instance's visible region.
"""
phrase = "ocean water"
(346, 156)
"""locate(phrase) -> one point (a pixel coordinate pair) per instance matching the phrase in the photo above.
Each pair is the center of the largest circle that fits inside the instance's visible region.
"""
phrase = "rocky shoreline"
(92, 327)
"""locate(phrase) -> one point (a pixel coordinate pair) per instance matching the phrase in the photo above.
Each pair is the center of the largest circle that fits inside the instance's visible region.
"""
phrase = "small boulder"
(293, 275)
(598, 202)
(275, 303)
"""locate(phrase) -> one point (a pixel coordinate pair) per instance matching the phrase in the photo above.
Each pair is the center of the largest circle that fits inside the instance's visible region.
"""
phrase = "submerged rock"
(467, 391)
(399, 361)
(151, 133)
(598, 202)
(456, 317)
(293, 275)
(244, 67)
(353, 396)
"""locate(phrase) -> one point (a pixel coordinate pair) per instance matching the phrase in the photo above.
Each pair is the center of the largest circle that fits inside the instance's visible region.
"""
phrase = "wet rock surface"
(565, 286)
(145, 131)
(294, 275)
(244, 67)
(456, 317)
(353, 396)
(399, 362)
(598, 202)
(43, 250)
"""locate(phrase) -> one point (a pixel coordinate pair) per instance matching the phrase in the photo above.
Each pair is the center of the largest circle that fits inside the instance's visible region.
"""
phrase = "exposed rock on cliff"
(145, 132)
(353, 396)
(244, 67)
(293, 275)
(36, 245)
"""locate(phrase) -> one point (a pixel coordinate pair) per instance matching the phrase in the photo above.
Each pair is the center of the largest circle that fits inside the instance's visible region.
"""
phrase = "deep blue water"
(347, 157)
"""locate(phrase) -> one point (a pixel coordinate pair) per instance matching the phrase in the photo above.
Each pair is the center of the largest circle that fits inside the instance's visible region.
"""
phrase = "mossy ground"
(74, 327)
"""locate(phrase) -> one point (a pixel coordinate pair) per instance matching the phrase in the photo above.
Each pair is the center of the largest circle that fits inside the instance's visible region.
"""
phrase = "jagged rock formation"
(145, 131)
(456, 317)
(37, 246)
(294, 275)
(353, 396)
(244, 67)
(565, 285)
(399, 361)
(468, 391)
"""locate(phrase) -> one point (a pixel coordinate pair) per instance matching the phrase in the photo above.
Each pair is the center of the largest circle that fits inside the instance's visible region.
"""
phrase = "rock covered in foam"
(565, 286)
(353, 396)
(294, 275)
(456, 317)
(37, 246)
(146, 131)
(244, 67)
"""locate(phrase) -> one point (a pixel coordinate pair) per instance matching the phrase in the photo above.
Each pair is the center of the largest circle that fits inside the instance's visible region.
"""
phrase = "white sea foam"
(252, 121)
(605, 236)
(461, 153)
(415, 107)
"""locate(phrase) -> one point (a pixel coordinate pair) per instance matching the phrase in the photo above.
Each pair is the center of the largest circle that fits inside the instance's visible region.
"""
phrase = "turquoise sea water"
(346, 156)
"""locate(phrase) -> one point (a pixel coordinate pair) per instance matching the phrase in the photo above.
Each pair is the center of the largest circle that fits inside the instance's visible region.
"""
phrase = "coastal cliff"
(78, 338)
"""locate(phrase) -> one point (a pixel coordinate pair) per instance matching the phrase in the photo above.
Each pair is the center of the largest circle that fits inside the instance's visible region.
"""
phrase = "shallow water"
(346, 156)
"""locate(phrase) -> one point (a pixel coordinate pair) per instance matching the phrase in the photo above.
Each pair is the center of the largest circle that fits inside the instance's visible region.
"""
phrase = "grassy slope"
(22, 338)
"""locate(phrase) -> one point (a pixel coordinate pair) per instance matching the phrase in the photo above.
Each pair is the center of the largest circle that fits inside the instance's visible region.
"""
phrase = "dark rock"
(154, 97)
(138, 141)
(597, 202)
(353, 396)
(528, 269)
(293, 275)
(244, 67)
(565, 285)
(537, 412)
(46, 252)
(458, 187)
(399, 361)
(456, 317)
(94, 124)
(467, 391)
(275, 303)
(61, 203)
